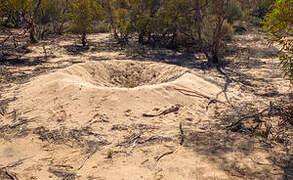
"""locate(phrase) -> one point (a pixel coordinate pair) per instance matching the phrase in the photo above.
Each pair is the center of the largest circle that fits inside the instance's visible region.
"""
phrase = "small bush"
(227, 31)
(110, 154)
(234, 12)
(253, 20)
(2, 22)
(101, 28)
(8, 24)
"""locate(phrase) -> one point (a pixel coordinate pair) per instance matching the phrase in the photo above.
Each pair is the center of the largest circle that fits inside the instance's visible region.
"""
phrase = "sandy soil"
(107, 113)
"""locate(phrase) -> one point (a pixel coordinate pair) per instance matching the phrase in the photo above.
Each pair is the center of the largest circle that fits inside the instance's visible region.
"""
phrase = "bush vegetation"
(201, 25)
(279, 25)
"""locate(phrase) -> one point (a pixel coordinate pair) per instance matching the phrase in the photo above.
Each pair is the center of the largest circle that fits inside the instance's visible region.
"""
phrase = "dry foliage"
(273, 123)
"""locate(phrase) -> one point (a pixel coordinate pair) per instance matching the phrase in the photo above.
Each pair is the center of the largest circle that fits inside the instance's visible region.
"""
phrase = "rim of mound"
(174, 77)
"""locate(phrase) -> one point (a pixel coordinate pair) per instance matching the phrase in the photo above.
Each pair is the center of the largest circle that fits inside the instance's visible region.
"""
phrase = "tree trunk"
(32, 33)
(112, 23)
(217, 33)
(32, 23)
(140, 37)
(173, 44)
(83, 39)
(199, 34)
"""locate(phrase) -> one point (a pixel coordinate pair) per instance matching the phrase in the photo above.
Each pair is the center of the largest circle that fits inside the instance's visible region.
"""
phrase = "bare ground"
(106, 112)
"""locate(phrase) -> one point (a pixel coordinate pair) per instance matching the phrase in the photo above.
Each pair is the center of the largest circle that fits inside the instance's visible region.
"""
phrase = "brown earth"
(108, 113)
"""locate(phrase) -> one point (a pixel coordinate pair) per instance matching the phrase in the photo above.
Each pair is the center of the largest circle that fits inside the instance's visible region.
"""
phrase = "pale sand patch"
(92, 95)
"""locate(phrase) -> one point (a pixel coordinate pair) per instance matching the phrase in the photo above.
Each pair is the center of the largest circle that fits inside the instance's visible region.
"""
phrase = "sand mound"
(128, 74)
(74, 116)
(64, 124)
(76, 93)
(73, 93)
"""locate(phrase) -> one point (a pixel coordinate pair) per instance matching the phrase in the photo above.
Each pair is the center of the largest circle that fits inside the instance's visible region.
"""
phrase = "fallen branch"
(131, 139)
(256, 115)
(165, 154)
(14, 164)
(199, 95)
(192, 93)
(167, 111)
(11, 176)
(62, 174)
(6, 174)
(134, 138)
(87, 158)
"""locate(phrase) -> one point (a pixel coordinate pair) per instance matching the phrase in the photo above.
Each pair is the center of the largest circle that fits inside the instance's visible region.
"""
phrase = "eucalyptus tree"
(279, 25)
(83, 13)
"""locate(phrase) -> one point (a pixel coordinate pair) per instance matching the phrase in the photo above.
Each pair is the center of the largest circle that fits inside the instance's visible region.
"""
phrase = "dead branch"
(270, 112)
(256, 116)
(167, 111)
(87, 158)
(192, 93)
(62, 174)
(165, 154)
(4, 173)
(199, 95)
(12, 36)
(135, 138)
(15, 164)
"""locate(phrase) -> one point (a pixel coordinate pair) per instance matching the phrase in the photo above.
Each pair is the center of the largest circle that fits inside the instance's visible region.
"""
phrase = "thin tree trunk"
(173, 43)
(32, 33)
(218, 32)
(32, 23)
(199, 33)
(112, 20)
(83, 39)
(140, 37)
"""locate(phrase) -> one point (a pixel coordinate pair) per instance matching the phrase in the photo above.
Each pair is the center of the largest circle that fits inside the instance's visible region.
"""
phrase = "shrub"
(7, 23)
(253, 20)
(100, 28)
(234, 12)
(278, 24)
(227, 31)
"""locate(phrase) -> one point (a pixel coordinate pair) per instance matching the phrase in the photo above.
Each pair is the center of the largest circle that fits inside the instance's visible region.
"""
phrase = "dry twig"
(165, 154)
(167, 111)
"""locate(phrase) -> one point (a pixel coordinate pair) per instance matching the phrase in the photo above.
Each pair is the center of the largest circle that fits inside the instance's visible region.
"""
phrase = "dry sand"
(119, 119)
(86, 98)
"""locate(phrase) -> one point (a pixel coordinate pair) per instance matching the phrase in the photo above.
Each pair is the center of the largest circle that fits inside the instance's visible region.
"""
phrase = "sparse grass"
(4, 75)
(4, 106)
(181, 131)
(110, 154)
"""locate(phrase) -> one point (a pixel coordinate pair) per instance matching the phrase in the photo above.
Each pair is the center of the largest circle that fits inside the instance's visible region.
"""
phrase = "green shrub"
(253, 20)
(234, 12)
(278, 25)
(227, 31)
(2, 22)
(100, 28)
(8, 24)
